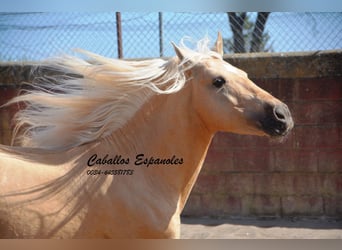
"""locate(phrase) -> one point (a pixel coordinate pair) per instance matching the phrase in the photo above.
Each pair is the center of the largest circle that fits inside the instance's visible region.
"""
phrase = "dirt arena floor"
(269, 228)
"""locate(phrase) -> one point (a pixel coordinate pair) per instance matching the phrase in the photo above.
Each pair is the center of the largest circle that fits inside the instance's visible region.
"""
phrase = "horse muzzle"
(277, 120)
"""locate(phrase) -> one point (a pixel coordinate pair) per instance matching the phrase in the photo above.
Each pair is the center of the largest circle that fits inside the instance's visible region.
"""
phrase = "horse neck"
(167, 125)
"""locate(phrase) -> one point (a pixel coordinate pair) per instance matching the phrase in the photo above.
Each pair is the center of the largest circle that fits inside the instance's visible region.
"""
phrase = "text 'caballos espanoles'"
(139, 160)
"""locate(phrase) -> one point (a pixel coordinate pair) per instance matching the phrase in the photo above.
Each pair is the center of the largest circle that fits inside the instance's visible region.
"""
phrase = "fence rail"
(35, 36)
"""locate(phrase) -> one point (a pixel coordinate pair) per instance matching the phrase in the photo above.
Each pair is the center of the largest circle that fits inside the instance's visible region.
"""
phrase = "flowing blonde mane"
(94, 97)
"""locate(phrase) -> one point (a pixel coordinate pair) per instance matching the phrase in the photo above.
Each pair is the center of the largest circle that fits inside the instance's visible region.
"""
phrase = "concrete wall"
(253, 176)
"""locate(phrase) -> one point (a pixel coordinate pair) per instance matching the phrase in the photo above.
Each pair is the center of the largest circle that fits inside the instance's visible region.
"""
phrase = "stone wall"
(302, 176)
(253, 176)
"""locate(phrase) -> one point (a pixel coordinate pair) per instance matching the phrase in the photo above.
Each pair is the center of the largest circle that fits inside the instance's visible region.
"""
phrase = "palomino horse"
(112, 148)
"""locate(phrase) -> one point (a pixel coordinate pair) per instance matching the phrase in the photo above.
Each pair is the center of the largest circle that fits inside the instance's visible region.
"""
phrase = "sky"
(33, 44)
(36, 36)
(171, 5)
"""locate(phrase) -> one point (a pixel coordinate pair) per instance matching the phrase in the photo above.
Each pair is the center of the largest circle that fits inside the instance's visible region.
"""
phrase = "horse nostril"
(280, 113)
(279, 116)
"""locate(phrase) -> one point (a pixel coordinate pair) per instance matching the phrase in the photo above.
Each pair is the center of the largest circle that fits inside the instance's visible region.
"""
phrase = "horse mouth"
(276, 130)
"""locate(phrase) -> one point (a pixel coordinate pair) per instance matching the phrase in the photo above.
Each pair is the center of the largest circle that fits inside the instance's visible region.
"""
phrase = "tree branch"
(236, 23)
(258, 31)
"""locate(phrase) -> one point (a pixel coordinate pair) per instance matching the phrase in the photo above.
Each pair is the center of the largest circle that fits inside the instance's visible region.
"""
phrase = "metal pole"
(160, 34)
(119, 34)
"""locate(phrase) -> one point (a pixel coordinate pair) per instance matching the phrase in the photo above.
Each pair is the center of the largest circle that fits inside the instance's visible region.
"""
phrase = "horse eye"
(218, 82)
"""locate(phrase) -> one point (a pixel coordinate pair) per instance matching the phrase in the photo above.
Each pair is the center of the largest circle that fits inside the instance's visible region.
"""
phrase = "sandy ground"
(208, 228)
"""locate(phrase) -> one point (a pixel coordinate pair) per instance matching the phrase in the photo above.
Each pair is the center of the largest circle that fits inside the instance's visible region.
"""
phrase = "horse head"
(227, 100)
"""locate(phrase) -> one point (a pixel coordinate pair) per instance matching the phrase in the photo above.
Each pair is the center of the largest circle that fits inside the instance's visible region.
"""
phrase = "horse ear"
(219, 44)
(179, 52)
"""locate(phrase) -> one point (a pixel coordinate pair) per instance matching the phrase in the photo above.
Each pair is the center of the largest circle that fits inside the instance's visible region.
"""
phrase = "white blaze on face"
(234, 70)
